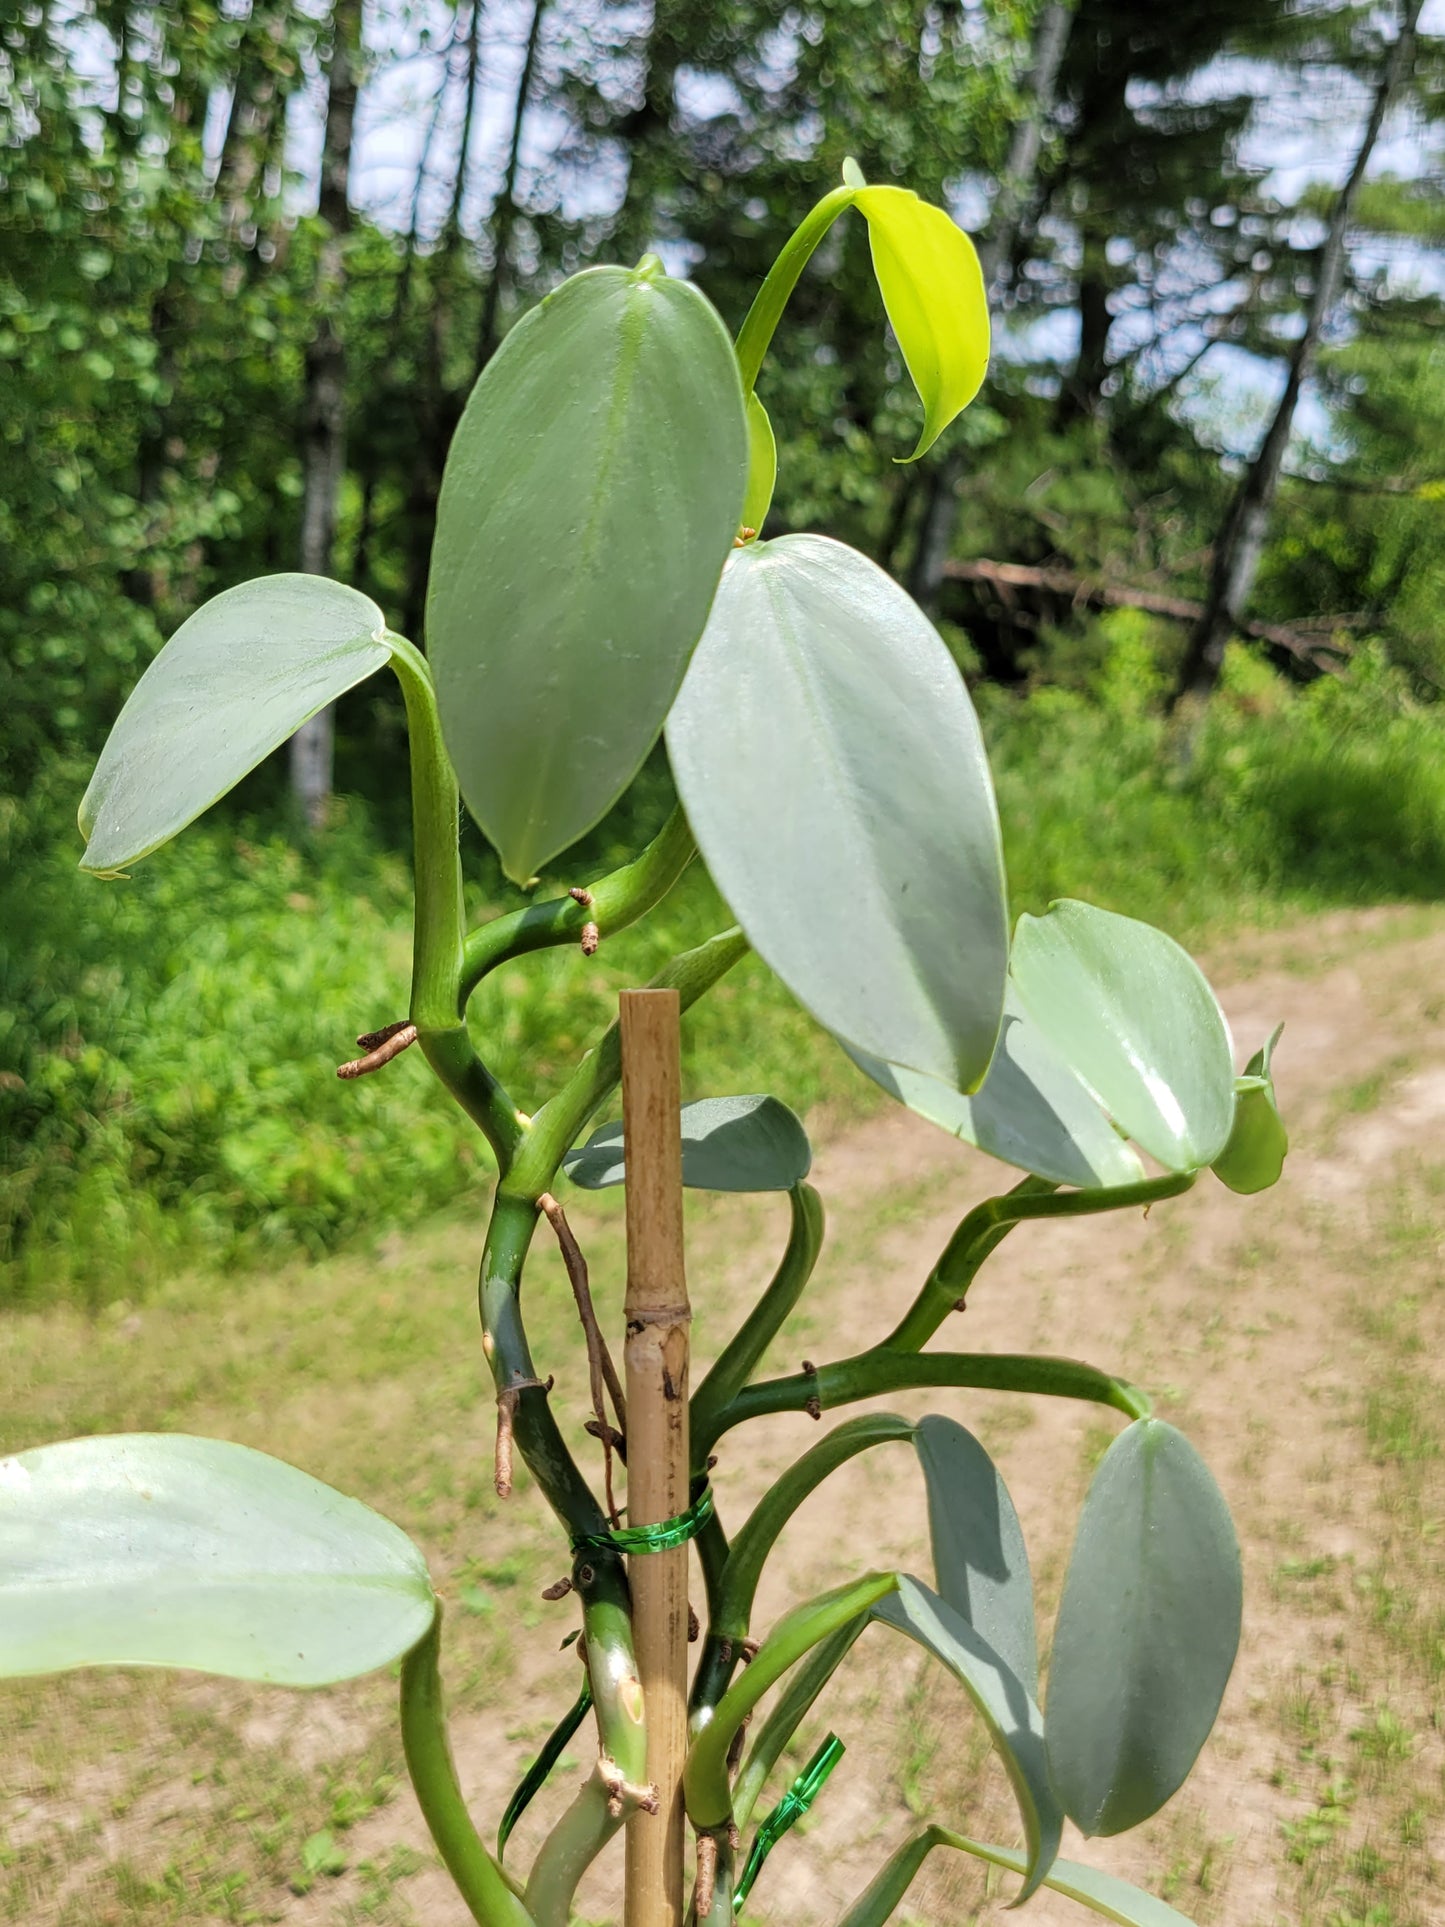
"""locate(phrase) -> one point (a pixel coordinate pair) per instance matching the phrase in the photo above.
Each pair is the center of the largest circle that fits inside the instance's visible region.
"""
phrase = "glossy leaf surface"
(1254, 1157)
(980, 1562)
(162, 1550)
(1004, 1703)
(728, 1144)
(762, 467)
(234, 681)
(1102, 1893)
(1131, 1014)
(932, 286)
(1030, 1110)
(832, 770)
(592, 492)
(1147, 1631)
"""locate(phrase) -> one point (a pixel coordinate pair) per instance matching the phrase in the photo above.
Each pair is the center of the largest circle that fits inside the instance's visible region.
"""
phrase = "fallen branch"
(1089, 593)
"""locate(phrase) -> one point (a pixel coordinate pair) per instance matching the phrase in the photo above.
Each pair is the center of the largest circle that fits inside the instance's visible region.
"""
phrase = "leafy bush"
(154, 1063)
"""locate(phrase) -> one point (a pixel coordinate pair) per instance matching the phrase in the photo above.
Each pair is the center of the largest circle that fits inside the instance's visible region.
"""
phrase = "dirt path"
(1241, 1316)
(1236, 1314)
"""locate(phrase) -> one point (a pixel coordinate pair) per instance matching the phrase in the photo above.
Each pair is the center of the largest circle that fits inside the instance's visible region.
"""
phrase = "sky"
(1298, 133)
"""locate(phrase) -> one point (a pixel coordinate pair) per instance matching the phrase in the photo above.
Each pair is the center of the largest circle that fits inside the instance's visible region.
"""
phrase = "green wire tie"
(536, 1774)
(662, 1537)
(787, 1813)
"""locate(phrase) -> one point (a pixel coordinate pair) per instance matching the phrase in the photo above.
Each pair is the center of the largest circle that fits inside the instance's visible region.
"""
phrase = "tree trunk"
(1011, 203)
(1240, 543)
(504, 214)
(323, 405)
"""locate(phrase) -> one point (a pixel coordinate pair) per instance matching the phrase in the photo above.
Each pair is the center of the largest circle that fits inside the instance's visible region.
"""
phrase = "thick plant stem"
(782, 277)
(436, 1007)
(802, 1689)
(656, 1356)
(559, 1123)
(480, 1881)
(712, 1553)
(709, 1802)
(869, 1374)
(988, 1224)
(720, 1912)
(597, 1575)
(739, 1359)
(732, 1606)
(759, 1533)
(611, 905)
(570, 1848)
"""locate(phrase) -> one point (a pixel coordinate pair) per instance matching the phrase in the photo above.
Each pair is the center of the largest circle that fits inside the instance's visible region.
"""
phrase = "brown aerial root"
(601, 1371)
(706, 1881)
(621, 1794)
(506, 1415)
(506, 1412)
(380, 1047)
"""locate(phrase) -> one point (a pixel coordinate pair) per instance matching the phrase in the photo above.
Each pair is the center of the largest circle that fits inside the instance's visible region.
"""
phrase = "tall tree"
(1240, 543)
(323, 401)
(1013, 205)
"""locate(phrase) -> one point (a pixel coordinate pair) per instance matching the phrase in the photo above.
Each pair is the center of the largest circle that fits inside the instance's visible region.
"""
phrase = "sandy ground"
(1235, 1313)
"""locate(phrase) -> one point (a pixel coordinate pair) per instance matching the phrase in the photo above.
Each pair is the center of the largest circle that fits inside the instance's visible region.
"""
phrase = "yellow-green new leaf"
(1254, 1157)
(762, 467)
(932, 286)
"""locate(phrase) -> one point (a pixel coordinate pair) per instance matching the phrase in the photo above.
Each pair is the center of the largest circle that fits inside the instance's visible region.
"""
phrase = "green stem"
(480, 1881)
(988, 1224)
(871, 1373)
(599, 1577)
(568, 1851)
(721, 1913)
(783, 1721)
(740, 1358)
(712, 1553)
(881, 1899)
(617, 901)
(558, 1124)
(436, 1003)
(759, 1533)
(705, 1778)
(772, 297)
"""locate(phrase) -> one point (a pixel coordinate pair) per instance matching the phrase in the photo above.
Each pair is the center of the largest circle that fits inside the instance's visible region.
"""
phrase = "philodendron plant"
(598, 576)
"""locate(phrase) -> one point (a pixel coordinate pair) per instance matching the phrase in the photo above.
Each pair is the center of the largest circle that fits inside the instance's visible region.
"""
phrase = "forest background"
(1189, 546)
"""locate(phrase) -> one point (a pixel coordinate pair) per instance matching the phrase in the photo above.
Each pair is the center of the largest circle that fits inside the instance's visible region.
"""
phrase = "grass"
(167, 1046)
(130, 1799)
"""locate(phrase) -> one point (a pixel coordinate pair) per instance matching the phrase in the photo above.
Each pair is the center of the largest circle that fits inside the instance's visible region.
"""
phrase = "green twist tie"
(789, 1810)
(536, 1774)
(662, 1537)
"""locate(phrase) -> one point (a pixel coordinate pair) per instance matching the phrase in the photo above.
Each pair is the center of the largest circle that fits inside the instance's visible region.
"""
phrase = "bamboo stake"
(656, 1361)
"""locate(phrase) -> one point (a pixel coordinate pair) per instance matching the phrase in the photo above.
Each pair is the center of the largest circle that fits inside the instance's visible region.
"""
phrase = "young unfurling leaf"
(932, 286)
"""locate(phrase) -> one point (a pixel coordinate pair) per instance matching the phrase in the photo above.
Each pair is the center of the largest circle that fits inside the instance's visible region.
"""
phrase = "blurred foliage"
(166, 1046)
